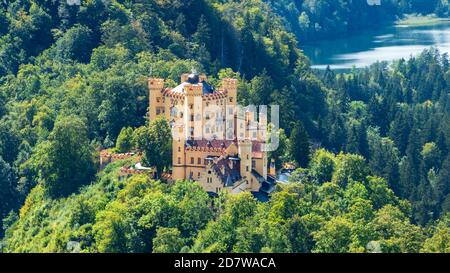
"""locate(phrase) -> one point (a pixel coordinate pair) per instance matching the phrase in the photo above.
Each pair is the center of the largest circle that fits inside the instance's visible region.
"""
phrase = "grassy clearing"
(414, 20)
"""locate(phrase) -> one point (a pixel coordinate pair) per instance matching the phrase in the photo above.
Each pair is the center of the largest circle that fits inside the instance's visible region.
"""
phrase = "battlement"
(155, 83)
(229, 84)
(193, 89)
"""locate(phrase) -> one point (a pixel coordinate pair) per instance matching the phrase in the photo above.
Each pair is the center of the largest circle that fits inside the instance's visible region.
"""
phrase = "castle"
(214, 143)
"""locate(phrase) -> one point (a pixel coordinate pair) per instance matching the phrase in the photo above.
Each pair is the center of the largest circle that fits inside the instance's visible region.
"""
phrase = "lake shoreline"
(417, 20)
(401, 40)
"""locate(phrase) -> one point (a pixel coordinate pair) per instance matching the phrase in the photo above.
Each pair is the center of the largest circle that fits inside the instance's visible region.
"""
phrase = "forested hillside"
(91, 63)
(322, 19)
(398, 117)
(353, 212)
(73, 77)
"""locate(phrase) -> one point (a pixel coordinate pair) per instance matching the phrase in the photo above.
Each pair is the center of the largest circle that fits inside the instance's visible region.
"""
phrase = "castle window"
(209, 172)
(253, 164)
(248, 157)
(192, 160)
(198, 174)
(192, 117)
(191, 106)
(158, 100)
(246, 168)
(173, 112)
(231, 99)
(181, 114)
(199, 161)
(179, 149)
(179, 160)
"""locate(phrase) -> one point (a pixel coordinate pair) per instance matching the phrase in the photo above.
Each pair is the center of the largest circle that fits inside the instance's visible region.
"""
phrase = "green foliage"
(322, 166)
(167, 240)
(280, 155)
(299, 147)
(65, 161)
(76, 44)
(440, 239)
(349, 168)
(401, 113)
(73, 77)
(156, 143)
(141, 215)
(146, 213)
(8, 192)
(124, 142)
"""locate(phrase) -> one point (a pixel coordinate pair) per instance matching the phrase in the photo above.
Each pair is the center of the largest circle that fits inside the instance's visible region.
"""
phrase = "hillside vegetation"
(373, 144)
(354, 212)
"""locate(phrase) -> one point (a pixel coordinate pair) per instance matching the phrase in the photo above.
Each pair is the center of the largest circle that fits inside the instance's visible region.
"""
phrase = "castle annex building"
(214, 144)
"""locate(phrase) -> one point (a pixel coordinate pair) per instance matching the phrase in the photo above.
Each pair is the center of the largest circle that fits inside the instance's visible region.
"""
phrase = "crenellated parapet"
(155, 83)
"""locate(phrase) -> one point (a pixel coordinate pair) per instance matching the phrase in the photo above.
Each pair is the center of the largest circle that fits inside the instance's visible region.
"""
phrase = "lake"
(387, 44)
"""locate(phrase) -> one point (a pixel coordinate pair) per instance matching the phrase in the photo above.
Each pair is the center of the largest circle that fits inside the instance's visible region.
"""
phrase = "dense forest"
(398, 118)
(372, 145)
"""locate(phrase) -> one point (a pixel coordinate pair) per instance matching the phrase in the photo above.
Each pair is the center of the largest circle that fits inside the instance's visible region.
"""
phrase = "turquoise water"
(388, 44)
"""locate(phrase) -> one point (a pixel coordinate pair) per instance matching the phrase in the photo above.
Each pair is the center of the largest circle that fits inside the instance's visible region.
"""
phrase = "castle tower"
(230, 86)
(178, 153)
(262, 124)
(265, 163)
(245, 154)
(193, 107)
(156, 105)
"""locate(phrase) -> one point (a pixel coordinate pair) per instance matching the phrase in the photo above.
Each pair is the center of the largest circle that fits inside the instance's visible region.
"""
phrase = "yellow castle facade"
(214, 143)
